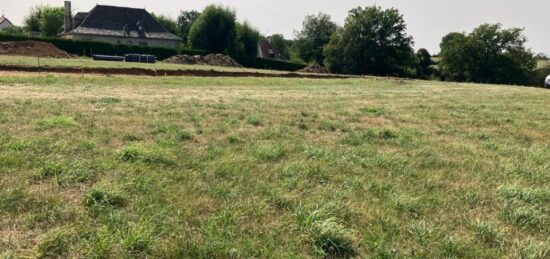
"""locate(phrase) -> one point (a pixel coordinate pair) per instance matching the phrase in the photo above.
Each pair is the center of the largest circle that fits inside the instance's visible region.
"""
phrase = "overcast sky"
(428, 20)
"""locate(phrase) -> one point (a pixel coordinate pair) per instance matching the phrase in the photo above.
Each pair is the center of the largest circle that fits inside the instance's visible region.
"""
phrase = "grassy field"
(106, 166)
(89, 63)
(543, 63)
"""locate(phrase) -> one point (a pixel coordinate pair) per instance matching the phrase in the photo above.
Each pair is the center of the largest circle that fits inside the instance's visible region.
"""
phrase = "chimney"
(68, 24)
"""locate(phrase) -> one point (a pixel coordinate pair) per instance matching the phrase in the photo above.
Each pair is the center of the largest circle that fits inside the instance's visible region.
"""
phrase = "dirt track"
(152, 72)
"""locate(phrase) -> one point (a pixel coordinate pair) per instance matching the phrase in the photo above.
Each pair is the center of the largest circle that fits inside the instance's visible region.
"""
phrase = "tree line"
(372, 41)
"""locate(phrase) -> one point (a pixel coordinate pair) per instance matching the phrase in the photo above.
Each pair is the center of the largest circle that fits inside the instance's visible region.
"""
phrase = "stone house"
(117, 25)
(4, 23)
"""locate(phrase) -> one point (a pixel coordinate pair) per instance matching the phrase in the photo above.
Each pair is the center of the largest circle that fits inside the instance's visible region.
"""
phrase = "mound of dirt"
(316, 69)
(211, 59)
(32, 48)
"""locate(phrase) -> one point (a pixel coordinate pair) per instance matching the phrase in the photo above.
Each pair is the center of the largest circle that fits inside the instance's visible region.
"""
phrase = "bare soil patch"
(32, 48)
(212, 60)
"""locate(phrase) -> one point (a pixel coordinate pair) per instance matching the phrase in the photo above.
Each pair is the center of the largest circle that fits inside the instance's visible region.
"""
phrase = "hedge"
(88, 48)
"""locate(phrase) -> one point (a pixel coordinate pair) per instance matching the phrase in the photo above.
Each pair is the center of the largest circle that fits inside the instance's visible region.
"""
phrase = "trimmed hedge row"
(88, 48)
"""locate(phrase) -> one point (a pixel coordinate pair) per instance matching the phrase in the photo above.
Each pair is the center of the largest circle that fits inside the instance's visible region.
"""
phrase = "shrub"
(269, 151)
(104, 196)
(57, 122)
(131, 153)
(328, 235)
(53, 245)
(214, 30)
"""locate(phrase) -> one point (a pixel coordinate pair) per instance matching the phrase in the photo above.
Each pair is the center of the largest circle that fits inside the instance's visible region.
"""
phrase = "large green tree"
(51, 21)
(168, 23)
(214, 30)
(45, 19)
(247, 38)
(185, 22)
(279, 42)
(372, 41)
(423, 64)
(490, 54)
(315, 34)
(32, 20)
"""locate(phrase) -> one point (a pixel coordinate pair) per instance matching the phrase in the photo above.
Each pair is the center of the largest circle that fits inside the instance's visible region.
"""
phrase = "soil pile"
(211, 60)
(316, 69)
(32, 48)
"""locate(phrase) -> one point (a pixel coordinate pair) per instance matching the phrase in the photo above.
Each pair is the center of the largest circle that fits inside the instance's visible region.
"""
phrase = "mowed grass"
(115, 167)
(84, 62)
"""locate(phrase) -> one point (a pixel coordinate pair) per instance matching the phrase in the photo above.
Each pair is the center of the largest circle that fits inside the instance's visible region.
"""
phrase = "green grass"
(185, 167)
(89, 63)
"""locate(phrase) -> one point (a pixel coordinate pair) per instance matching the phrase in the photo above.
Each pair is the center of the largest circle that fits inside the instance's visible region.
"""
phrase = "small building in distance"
(268, 51)
(117, 25)
(4, 23)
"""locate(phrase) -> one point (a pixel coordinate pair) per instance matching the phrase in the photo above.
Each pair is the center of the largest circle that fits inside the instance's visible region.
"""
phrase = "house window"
(143, 43)
(129, 42)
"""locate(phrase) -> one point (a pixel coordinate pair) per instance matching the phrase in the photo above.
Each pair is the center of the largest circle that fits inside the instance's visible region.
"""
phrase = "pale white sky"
(428, 20)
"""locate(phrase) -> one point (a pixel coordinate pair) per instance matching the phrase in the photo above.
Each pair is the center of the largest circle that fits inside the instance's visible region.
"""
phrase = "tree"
(372, 41)
(279, 42)
(247, 38)
(315, 34)
(168, 23)
(423, 63)
(45, 19)
(215, 30)
(185, 21)
(51, 21)
(490, 54)
(32, 20)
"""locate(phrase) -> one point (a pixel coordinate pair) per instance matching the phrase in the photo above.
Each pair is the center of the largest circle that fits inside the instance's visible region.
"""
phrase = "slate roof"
(120, 22)
(266, 50)
(4, 19)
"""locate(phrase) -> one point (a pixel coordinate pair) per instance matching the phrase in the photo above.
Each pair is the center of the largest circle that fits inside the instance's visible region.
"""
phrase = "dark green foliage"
(248, 38)
(51, 21)
(185, 22)
(44, 19)
(15, 30)
(32, 20)
(279, 42)
(315, 34)
(373, 41)
(168, 23)
(490, 54)
(215, 30)
(423, 63)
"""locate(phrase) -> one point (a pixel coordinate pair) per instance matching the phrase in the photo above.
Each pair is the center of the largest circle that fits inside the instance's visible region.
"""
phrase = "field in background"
(90, 63)
(543, 63)
(96, 166)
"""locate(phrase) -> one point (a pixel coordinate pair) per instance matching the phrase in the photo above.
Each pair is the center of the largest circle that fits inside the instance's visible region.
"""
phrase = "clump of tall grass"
(330, 237)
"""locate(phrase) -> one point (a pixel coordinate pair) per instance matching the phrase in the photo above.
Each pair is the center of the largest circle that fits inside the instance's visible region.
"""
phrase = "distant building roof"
(266, 50)
(120, 22)
(3, 19)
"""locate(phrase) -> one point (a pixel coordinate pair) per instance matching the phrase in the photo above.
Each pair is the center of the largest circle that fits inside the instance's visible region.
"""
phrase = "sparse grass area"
(135, 167)
(89, 63)
(543, 63)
